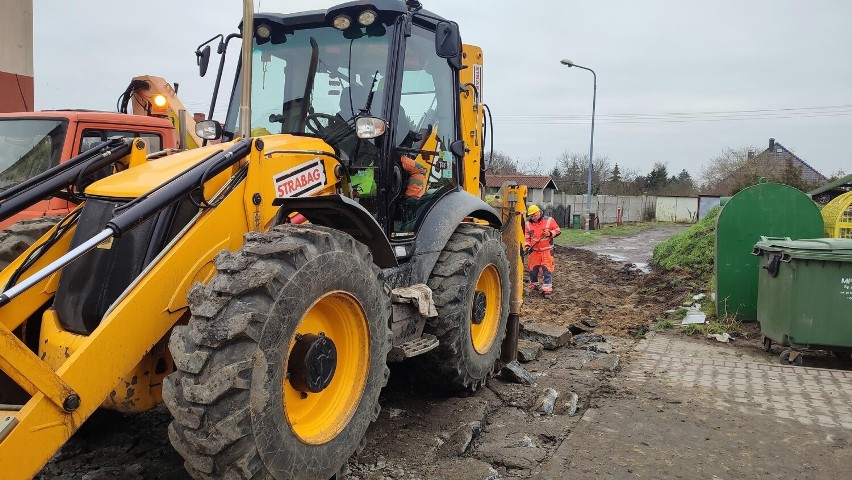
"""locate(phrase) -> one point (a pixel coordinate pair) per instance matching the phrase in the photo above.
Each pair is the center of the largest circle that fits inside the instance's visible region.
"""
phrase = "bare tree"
(501, 163)
(534, 166)
(729, 172)
(837, 175)
(575, 170)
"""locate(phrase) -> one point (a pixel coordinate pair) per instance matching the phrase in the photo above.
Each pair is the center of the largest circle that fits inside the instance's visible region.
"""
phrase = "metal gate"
(560, 213)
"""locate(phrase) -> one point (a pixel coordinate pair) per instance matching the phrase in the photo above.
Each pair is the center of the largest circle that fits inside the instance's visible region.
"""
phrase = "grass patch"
(577, 237)
(691, 250)
(716, 328)
(661, 325)
(694, 329)
(730, 324)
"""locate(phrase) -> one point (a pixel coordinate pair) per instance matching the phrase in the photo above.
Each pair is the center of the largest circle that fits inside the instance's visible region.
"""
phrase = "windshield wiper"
(366, 109)
(309, 84)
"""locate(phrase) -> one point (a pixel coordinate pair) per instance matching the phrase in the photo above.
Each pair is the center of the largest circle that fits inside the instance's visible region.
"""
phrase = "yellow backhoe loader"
(260, 286)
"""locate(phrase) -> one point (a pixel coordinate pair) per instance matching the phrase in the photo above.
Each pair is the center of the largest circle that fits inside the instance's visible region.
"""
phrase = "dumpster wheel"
(791, 357)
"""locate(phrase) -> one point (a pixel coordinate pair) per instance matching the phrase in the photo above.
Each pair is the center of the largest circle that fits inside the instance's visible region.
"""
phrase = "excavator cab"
(382, 64)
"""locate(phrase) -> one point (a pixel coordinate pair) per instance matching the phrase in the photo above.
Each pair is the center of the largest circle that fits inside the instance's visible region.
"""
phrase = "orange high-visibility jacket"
(535, 233)
(416, 178)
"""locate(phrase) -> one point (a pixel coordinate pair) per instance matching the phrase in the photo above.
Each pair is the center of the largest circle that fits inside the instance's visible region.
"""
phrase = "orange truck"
(32, 142)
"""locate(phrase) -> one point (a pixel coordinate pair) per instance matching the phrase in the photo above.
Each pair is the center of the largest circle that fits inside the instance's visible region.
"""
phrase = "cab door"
(426, 126)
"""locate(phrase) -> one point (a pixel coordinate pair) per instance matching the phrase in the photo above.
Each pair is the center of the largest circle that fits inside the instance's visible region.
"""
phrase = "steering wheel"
(314, 124)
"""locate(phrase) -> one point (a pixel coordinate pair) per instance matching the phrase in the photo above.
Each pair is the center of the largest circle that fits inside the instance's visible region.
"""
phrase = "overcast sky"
(678, 81)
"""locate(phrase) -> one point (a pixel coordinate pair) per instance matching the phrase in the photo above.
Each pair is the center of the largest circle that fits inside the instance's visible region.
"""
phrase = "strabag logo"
(300, 180)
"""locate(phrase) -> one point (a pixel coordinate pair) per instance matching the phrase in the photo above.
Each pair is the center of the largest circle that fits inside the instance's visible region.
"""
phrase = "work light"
(342, 22)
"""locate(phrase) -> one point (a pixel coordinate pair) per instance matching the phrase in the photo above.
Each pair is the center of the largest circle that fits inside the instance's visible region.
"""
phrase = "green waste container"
(805, 292)
(575, 220)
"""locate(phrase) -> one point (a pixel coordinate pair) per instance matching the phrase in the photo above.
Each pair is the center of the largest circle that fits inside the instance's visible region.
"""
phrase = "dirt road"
(636, 249)
(660, 407)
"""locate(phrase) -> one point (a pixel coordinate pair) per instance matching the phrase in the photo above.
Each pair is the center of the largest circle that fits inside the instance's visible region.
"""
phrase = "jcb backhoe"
(259, 286)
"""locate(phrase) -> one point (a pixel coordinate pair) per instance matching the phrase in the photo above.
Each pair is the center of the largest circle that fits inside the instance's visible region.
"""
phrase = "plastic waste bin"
(575, 220)
(805, 292)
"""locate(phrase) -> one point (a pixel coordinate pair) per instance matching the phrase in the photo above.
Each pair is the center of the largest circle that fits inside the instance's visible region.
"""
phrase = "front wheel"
(280, 367)
(470, 286)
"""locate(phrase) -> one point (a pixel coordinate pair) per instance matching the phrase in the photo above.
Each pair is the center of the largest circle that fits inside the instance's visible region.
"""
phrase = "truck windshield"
(314, 80)
(28, 147)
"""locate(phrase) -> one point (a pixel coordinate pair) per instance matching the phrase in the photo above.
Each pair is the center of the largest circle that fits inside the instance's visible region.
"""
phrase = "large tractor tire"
(279, 369)
(470, 286)
(18, 237)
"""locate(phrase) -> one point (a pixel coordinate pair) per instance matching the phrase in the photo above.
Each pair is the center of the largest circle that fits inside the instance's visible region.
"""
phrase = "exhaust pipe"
(245, 62)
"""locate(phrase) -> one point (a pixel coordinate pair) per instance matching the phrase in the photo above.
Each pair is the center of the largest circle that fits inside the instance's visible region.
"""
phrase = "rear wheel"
(18, 237)
(280, 367)
(470, 285)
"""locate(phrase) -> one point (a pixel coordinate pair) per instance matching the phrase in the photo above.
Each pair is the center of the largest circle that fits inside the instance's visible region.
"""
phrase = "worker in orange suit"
(540, 231)
(416, 185)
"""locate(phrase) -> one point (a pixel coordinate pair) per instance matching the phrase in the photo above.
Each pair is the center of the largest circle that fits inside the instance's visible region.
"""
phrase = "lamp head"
(567, 62)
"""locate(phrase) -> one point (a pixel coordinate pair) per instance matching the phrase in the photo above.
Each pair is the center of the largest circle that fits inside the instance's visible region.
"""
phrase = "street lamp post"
(570, 64)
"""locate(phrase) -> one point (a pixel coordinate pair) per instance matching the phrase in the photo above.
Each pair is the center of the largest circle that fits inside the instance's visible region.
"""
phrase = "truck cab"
(33, 142)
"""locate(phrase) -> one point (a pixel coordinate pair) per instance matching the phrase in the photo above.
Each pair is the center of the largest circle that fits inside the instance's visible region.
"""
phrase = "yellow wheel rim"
(483, 334)
(317, 418)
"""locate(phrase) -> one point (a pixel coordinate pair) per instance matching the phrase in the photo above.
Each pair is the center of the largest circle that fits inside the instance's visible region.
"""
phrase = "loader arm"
(143, 316)
(149, 307)
(66, 174)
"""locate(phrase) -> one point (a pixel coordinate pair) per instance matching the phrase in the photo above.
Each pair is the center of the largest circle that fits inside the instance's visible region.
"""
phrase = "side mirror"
(447, 40)
(458, 149)
(208, 129)
(202, 58)
(369, 127)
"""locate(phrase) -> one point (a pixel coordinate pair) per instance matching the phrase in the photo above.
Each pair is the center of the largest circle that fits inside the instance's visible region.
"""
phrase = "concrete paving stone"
(606, 362)
(549, 336)
(844, 418)
(826, 420)
(528, 350)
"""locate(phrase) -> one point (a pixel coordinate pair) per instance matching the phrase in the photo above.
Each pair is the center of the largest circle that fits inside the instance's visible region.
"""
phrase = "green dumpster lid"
(812, 248)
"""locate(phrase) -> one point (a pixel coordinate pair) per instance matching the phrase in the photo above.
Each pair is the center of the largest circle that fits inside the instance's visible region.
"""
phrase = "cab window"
(91, 137)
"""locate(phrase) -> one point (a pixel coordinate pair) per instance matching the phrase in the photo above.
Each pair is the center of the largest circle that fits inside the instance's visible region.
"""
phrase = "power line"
(679, 117)
(558, 121)
(708, 112)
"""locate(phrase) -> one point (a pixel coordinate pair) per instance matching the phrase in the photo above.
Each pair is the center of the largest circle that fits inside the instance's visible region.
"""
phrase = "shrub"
(692, 250)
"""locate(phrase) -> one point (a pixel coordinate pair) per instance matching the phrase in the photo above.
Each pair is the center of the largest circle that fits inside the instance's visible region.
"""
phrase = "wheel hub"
(479, 304)
(312, 363)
